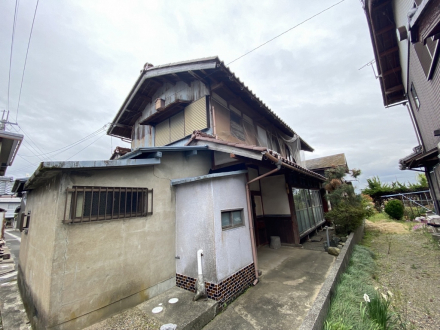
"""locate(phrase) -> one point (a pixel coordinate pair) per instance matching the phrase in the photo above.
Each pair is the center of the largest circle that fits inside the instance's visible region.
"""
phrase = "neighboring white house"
(9, 204)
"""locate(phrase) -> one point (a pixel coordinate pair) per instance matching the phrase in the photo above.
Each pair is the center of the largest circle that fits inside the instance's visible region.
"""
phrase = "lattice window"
(87, 204)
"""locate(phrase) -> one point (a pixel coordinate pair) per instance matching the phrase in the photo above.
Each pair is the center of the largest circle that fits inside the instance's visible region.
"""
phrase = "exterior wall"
(273, 191)
(77, 274)
(428, 91)
(198, 226)
(400, 9)
(233, 246)
(37, 249)
(143, 135)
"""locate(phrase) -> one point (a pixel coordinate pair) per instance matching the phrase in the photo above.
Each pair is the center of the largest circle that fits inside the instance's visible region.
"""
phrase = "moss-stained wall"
(75, 275)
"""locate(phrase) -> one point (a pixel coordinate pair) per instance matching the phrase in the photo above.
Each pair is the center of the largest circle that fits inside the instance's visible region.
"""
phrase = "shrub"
(346, 217)
(394, 209)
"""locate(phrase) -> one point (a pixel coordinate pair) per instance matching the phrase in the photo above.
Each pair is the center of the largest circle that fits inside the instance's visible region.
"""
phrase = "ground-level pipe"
(200, 284)
(251, 219)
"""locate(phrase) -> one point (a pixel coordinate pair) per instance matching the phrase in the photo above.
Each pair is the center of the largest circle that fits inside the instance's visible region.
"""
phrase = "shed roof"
(209, 70)
(326, 162)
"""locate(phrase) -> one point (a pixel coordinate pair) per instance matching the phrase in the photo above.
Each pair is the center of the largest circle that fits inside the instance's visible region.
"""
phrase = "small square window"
(232, 219)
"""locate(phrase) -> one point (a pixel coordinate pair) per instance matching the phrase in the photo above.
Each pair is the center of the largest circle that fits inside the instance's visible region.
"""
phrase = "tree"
(347, 211)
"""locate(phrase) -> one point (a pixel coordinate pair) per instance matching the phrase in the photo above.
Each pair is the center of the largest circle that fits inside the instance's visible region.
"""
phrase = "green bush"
(346, 217)
(394, 208)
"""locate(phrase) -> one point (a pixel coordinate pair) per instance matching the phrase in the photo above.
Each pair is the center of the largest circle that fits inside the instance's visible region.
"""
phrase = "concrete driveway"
(292, 278)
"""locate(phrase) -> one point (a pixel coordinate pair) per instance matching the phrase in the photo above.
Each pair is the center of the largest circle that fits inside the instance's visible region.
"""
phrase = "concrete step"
(186, 313)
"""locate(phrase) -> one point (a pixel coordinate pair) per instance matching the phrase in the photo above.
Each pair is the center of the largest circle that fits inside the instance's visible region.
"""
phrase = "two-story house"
(211, 169)
(405, 36)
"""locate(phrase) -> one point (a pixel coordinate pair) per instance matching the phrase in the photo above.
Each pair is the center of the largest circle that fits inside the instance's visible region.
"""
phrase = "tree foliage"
(376, 189)
(347, 209)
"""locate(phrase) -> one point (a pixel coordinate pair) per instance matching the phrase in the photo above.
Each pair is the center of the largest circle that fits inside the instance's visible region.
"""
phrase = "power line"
(25, 60)
(69, 146)
(85, 147)
(288, 30)
(12, 46)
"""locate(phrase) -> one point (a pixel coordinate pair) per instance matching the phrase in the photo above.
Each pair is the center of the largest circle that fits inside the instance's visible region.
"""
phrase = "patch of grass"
(345, 312)
(369, 237)
(379, 217)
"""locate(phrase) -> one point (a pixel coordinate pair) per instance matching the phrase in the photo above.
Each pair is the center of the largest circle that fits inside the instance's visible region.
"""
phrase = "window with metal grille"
(106, 203)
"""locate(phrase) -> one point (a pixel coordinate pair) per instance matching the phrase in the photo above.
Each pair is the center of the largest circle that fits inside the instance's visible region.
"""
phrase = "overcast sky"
(85, 56)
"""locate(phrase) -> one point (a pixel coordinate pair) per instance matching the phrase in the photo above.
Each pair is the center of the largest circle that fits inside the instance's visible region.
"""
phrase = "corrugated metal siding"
(177, 127)
(162, 133)
(195, 116)
(428, 91)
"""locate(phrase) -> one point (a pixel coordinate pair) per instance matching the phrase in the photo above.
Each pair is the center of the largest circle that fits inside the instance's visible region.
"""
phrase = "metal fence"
(417, 203)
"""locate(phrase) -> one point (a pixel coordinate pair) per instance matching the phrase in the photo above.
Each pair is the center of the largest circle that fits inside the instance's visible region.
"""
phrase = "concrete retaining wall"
(317, 314)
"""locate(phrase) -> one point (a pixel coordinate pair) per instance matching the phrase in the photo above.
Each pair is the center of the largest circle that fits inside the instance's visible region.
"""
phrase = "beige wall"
(78, 269)
(273, 192)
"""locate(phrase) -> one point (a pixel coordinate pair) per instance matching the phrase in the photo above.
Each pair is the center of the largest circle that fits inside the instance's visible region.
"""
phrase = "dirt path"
(408, 266)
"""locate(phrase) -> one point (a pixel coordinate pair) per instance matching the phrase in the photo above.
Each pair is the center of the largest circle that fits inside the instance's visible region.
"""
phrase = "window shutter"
(177, 127)
(195, 116)
(162, 133)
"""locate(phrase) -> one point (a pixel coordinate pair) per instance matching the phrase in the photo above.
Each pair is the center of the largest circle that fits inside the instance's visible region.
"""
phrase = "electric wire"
(85, 147)
(25, 60)
(288, 30)
(35, 147)
(69, 146)
(12, 46)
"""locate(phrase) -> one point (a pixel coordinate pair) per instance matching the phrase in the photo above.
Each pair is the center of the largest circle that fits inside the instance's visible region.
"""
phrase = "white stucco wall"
(233, 246)
(198, 226)
(273, 192)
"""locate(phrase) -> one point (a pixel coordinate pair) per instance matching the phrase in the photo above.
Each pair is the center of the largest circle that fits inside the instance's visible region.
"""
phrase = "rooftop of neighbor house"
(209, 70)
(326, 162)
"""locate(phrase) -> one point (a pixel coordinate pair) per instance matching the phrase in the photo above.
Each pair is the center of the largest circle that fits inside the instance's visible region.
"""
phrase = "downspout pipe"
(251, 218)
(200, 284)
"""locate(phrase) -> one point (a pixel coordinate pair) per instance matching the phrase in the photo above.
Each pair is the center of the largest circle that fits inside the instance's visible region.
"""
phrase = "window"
(107, 203)
(414, 96)
(232, 219)
(427, 55)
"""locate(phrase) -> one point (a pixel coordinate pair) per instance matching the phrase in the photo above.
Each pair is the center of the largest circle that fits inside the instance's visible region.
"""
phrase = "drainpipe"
(251, 218)
(200, 285)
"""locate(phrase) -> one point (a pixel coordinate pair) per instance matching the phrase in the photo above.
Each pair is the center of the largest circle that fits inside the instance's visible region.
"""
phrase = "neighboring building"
(9, 145)
(405, 37)
(320, 165)
(9, 204)
(20, 211)
(211, 167)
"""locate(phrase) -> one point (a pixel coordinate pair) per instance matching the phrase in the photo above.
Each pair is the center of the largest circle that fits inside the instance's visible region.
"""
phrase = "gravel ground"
(131, 319)
(409, 266)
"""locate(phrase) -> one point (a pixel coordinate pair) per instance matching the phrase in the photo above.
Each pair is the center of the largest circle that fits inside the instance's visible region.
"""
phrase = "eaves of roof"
(203, 69)
(382, 28)
(265, 152)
